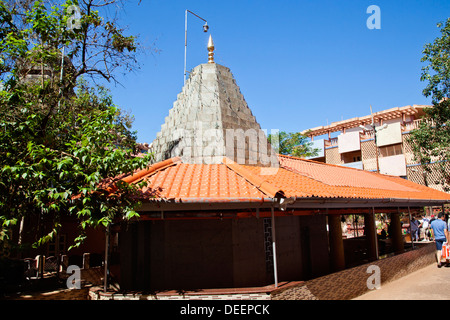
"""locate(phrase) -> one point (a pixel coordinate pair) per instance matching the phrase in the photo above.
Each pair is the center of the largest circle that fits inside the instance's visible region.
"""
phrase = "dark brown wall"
(249, 263)
(302, 247)
(195, 254)
(170, 254)
(289, 248)
(320, 261)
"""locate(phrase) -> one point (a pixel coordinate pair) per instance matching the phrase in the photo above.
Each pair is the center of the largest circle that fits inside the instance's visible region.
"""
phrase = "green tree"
(64, 145)
(431, 141)
(292, 143)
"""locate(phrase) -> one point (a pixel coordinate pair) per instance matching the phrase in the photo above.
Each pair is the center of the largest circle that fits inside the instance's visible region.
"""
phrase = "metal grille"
(407, 150)
(333, 156)
(369, 155)
(434, 179)
(415, 174)
(268, 248)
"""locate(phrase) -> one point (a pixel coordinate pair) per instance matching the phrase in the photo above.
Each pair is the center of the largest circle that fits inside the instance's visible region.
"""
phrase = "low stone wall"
(351, 283)
(98, 294)
(67, 294)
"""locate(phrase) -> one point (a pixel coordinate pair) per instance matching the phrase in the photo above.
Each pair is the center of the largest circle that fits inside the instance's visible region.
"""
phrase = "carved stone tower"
(211, 120)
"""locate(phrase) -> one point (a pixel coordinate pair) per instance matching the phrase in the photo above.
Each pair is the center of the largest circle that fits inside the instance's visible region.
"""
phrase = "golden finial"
(210, 50)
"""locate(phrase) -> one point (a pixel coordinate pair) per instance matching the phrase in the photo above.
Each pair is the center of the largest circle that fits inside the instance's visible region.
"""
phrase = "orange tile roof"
(340, 176)
(355, 183)
(184, 181)
(299, 178)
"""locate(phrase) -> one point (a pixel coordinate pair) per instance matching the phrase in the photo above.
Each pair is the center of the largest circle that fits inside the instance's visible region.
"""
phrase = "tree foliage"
(294, 144)
(64, 145)
(96, 45)
(431, 141)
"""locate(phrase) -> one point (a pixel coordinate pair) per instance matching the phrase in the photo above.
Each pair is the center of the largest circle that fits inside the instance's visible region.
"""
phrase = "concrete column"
(396, 230)
(86, 260)
(40, 264)
(64, 263)
(371, 236)
(337, 255)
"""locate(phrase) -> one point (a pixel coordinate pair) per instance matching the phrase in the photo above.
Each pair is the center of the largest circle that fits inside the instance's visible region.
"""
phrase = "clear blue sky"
(299, 64)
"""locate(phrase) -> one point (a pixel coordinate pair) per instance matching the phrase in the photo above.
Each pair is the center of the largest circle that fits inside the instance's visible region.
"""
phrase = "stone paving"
(428, 283)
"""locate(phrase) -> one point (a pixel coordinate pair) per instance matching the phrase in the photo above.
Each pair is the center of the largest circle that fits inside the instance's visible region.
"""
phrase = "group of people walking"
(435, 229)
(421, 228)
(439, 232)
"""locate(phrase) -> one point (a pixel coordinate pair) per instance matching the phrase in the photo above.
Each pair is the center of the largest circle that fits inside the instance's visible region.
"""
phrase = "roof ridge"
(260, 183)
(167, 176)
(320, 163)
(150, 170)
(307, 176)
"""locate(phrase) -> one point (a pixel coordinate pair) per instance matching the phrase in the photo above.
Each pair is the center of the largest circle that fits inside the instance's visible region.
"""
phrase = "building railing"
(369, 134)
(332, 142)
(408, 126)
(355, 165)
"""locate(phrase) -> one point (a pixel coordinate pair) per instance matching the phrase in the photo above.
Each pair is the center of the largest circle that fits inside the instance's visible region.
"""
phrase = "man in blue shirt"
(440, 234)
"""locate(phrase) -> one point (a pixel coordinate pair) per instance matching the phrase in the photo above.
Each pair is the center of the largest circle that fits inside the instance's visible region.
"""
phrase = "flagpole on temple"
(205, 29)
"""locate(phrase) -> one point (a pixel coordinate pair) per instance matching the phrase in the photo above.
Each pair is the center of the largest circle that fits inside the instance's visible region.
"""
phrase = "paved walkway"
(429, 283)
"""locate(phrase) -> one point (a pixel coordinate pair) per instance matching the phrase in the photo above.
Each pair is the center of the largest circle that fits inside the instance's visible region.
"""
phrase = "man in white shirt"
(425, 225)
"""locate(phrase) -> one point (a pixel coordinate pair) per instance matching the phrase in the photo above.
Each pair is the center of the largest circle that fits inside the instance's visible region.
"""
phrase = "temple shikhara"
(211, 120)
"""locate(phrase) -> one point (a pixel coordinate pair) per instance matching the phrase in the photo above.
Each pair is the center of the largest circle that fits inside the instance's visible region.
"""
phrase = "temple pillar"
(371, 236)
(337, 256)
(396, 233)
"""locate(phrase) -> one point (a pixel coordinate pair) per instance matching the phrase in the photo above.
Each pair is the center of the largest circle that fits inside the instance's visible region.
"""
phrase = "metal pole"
(375, 139)
(185, 38)
(410, 229)
(62, 64)
(106, 275)
(185, 43)
(274, 249)
(195, 15)
(61, 77)
(443, 212)
(376, 233)
(57, 253)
